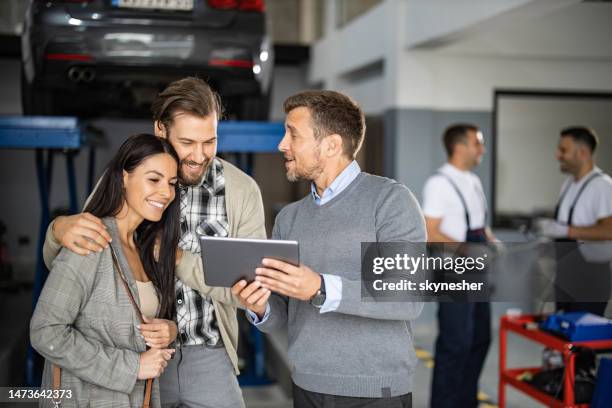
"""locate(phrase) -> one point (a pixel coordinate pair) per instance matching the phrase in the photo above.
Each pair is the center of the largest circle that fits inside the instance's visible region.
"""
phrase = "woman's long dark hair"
(108, 200)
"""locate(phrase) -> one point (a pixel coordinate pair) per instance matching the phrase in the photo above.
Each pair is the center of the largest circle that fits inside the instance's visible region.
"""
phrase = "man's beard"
(292, 177)
(309, 174)
(187, 179)
(567, 167)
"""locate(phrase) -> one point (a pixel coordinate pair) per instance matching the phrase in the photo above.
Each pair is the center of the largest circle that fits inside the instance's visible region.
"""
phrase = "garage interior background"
(415, 66)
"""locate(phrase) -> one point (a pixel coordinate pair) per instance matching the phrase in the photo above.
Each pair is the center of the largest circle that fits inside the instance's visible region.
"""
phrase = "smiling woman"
(86, 322)
(150, 187)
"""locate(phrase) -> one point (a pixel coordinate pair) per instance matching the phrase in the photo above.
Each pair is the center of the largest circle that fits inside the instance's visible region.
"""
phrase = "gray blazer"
(85, 323)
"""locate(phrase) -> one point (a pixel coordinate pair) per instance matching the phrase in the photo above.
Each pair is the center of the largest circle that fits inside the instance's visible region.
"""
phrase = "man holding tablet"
(343, 351)
(216, 199)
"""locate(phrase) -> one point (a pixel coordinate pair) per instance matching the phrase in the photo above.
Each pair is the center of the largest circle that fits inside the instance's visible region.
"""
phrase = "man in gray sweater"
(344, 352)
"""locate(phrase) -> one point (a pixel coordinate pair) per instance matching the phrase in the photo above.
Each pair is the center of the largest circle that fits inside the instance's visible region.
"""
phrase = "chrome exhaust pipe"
(75, 74)
(88, 75)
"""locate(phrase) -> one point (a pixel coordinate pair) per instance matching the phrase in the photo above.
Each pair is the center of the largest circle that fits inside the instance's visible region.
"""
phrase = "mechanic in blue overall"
(455, 209)
(582, 226)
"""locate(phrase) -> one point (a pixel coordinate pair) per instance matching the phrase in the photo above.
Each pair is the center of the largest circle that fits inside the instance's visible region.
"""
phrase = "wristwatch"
(319, 298)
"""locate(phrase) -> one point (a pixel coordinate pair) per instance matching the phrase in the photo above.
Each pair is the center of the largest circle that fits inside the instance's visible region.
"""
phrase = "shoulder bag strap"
(147, 396)
(57, 383)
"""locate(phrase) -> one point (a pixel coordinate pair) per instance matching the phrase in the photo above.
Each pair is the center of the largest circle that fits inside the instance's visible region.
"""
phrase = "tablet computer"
(228, 260)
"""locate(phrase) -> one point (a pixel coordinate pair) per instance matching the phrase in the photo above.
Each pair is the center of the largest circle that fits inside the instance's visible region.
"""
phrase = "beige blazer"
(245, 215)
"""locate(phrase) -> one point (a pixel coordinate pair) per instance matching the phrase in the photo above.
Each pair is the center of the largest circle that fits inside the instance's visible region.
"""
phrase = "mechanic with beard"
(216, 198)
(583, 213)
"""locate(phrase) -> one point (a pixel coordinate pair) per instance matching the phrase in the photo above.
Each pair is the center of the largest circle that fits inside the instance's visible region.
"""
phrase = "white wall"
(430, 20)
(344, 57)
(541, 45)
(286, 81)
(444, 82)
(577, 31)
(528, 178)
(355, 45)
(453, 54)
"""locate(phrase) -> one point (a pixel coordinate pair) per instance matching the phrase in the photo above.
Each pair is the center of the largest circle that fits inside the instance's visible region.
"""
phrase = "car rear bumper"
(64, 76)
(127, 55)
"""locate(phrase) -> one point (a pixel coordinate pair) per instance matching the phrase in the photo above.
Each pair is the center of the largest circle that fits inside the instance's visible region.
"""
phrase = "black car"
(94, 57)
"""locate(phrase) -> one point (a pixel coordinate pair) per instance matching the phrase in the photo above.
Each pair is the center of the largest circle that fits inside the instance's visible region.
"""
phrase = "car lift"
(68, 135)
(48, 135)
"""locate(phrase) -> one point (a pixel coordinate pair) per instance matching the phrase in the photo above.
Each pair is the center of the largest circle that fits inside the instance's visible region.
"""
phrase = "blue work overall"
(580, 285)
(463, 341)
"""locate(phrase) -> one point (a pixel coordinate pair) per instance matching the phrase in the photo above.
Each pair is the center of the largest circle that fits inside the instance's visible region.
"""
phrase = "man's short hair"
(583, 135)
(455, 134)
(190, 95)
(332, 113)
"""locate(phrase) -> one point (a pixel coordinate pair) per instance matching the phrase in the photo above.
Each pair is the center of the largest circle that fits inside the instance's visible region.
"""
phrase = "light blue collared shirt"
(333, 283)
(341, 182)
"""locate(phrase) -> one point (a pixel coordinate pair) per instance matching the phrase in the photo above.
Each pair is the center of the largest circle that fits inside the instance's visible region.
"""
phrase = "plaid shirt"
(202, 211)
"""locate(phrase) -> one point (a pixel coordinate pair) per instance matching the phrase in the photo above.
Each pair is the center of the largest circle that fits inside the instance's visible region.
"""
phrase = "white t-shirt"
(440, 200)
(594, 203)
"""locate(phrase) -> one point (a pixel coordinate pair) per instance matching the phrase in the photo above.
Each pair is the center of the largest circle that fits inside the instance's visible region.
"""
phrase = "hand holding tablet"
(228, 260)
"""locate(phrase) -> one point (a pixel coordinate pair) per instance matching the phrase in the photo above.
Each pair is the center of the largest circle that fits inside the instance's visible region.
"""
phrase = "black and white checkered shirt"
(202, 211)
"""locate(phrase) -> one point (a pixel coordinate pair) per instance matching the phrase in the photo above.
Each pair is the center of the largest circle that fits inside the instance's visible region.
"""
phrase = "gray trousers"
(200, 377)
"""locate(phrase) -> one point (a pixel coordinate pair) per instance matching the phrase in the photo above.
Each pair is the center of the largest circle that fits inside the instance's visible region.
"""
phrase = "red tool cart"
(527, 327)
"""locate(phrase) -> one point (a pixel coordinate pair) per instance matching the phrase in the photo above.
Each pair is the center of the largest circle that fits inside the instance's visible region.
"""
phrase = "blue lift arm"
(48, 135)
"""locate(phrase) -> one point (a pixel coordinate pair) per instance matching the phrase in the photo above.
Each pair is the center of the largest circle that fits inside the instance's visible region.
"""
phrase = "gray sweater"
(362, 349)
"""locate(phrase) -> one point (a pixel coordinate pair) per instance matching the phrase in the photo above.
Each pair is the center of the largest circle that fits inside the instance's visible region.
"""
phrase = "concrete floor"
(522, 353)
(16, 309)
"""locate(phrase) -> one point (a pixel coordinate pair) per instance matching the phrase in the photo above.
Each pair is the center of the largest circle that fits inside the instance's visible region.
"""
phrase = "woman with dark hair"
(87, 320)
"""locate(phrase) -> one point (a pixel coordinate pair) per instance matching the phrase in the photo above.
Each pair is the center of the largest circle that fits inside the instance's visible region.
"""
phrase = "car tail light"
(234, 63)
(223, 4)
(68, 57)
(247, 5)
(64, 1)
(252, 5)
